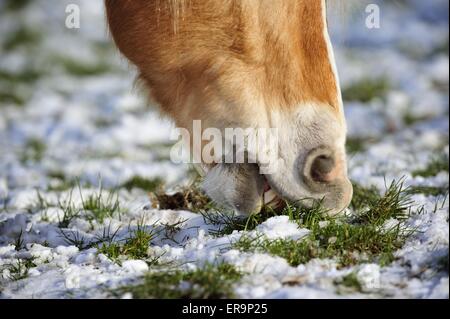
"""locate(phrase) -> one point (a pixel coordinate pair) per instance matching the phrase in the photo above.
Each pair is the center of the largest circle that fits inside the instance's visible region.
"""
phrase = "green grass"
(19, 270)
(429, 190)
(349, 241)
(350, 281)
(70, 211)
(22, 37)
(148, 185)
(16, 5)
(19, 241)
(7, 97)
(98, 206)
(366, 90)
(395, 203)
(227, 222)
(103, 122)
(62, 182)
(362, 196)
(437, 164)
(27, 76)
(74, 238)
(355, 145)
(82, 69)
(442, 48)
(209, 282)
(135, 246)
(34, 150)
(411, 119)
(15, 88)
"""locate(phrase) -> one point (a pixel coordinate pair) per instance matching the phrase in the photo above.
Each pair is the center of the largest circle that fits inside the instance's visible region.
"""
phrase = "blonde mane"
(177, 8)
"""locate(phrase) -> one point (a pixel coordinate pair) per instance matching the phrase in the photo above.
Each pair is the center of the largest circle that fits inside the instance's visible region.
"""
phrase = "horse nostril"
(322, 168)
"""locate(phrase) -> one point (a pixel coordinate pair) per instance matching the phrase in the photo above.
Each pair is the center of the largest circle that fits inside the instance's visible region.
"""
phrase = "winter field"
(92, 207)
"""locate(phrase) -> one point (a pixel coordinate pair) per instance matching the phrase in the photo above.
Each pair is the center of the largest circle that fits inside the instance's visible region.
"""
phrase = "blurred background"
(68, 108)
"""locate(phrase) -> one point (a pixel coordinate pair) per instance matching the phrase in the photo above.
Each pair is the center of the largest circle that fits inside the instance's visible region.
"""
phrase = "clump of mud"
(190, 198)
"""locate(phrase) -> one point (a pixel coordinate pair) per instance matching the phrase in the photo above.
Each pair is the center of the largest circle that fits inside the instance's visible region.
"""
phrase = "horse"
(246, 64)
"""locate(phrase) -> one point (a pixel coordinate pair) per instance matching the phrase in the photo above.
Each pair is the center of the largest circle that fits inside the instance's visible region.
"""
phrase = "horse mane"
(177, 8)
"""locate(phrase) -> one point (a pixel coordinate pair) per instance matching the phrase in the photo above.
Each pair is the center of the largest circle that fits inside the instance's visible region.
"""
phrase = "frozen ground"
(68, 112)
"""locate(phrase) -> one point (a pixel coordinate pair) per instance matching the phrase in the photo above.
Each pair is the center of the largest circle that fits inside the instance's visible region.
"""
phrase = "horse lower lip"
(270, 196)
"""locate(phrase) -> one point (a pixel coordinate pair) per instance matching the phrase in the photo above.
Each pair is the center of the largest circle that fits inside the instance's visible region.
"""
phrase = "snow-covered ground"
(68, 111)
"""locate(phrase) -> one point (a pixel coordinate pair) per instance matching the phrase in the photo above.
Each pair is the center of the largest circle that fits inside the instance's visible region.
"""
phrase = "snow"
(135, 266)
(281, 227)
(369, 276)
(64, 112)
